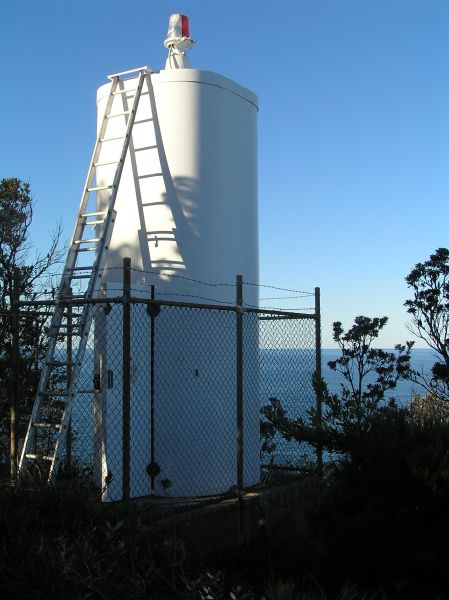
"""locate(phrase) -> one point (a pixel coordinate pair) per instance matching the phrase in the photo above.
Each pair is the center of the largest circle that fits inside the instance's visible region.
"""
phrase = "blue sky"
(353, 126)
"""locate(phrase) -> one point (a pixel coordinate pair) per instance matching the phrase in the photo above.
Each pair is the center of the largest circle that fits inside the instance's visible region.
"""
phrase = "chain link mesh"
(183, 397)
(287, 364)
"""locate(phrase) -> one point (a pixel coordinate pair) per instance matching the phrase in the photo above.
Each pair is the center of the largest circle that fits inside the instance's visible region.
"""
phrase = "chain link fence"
(181, 417)
(288, 359)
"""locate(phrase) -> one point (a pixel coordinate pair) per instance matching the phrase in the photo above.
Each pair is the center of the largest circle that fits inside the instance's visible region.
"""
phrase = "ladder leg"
(46, 436)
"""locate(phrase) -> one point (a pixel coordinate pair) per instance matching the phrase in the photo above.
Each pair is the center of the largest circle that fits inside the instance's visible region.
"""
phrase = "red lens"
(185, 26)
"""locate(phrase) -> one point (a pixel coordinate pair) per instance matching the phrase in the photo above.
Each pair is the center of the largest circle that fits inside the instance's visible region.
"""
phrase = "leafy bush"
(339, 421)
(383, 522)
(429, 310)
(65, 544)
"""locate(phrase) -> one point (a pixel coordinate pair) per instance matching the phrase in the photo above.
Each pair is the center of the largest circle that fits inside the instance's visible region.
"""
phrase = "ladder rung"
(94, 222)
(124, 92)
(38, 457)
(92, 214)
(145, 148)
(80, 277)
(47, 425)
(57, 363)
(64, 297)
(72, 316)
(143, 121)
(73, 333)
(90, 241)
(122, 114)
(89, 268)
(104, 164)
(119, 137)
(88, 391)
(100, 187)
(90, 249)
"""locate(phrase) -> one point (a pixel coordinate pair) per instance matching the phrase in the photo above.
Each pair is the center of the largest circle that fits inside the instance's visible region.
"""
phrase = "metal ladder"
(45, 439)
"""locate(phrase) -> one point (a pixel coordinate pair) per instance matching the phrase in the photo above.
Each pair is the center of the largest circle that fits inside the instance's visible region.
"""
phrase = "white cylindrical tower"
(186, 210)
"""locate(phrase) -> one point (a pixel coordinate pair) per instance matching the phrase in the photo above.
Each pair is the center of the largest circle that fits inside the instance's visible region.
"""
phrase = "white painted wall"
(187, 205)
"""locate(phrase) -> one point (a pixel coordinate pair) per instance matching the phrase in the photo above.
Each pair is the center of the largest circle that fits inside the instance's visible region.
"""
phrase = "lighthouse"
(186, 214)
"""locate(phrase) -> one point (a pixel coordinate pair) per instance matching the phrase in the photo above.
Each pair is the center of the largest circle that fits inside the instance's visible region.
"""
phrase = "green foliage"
(16, 214)
(166, 484)
(369, 375)
(429, 309)
(215, 586)
(428, 410)
(64, 544)
(31, 272)
(358, 359)
(383, 521)
(347, 417)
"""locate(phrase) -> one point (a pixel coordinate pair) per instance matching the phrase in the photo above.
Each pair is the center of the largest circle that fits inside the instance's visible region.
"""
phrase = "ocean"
(286, 374)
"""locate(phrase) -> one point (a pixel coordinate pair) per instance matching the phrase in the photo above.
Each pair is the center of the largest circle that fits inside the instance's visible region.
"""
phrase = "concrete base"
(211, 531)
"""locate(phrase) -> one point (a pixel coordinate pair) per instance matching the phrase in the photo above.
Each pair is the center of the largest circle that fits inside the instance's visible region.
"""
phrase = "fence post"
(126, 367)
(319, 450)
(15, 370)
(239, 357)
(69, 354)
(152, 456)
